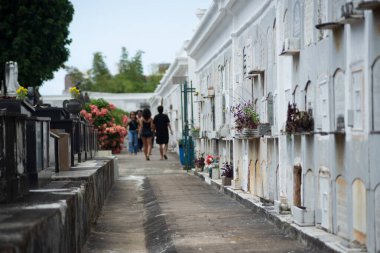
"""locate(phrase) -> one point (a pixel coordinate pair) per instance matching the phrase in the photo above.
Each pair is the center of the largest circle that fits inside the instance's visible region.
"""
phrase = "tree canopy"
(130, 77)
(35, 35)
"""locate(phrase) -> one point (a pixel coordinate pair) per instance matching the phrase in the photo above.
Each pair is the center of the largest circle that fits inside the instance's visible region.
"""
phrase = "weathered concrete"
(314, 238)
(155, 206)
(58, 216)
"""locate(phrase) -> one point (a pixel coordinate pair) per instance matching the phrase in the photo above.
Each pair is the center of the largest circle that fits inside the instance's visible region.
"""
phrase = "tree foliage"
(130, 77)
(35, 35)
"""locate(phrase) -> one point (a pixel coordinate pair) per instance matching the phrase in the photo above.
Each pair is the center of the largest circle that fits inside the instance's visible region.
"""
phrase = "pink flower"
(111, 106)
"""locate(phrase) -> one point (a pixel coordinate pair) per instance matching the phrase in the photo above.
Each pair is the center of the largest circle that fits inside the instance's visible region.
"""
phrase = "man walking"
(162, 124)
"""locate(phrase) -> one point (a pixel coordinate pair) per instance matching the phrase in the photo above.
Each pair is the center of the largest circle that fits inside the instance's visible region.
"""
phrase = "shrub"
(110, 123)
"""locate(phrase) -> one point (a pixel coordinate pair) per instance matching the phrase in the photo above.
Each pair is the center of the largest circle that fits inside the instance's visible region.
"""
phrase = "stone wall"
(58, 216)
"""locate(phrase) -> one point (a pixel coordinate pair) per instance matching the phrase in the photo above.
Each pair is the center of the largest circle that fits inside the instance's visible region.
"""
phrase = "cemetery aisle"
(155, 206)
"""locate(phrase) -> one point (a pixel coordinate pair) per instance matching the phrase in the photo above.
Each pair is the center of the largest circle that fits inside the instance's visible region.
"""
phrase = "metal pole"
(181, 109)
(192, 112)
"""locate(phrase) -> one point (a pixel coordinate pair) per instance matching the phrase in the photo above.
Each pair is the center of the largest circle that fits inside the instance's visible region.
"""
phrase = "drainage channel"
(157, 235)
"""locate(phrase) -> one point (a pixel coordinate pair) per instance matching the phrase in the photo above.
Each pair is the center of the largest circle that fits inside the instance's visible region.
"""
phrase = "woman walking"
(145, 131)
(133, 126)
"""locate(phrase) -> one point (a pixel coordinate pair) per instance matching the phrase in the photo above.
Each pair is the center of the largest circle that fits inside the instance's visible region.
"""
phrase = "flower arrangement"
(227, 170)
(21, 92)
(199, 162)
(110, 123)
(75, 93)
(210, 161)
(195, 131)
(298, 121)
(245, 116)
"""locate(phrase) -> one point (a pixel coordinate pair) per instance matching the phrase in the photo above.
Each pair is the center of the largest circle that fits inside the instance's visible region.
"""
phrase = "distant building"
(125, 101)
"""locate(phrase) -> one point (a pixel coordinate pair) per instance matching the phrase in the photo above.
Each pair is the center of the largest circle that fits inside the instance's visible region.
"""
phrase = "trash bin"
(181, 155)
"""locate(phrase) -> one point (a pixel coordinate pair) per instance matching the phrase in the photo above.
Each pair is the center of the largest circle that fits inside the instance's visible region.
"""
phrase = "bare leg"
(165, 150)
(148, 146)
(145, 146)
(162, 151)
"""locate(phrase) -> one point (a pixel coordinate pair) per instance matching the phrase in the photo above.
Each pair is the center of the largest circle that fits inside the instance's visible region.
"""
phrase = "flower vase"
(210, 172)
(73, 106)
(226, 181)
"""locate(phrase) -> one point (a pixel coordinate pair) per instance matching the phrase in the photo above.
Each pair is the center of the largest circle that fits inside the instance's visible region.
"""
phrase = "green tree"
(35, 35)
(129, 79)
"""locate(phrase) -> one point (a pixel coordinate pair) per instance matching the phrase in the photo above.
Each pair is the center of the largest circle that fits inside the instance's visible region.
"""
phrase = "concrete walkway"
(155, 206)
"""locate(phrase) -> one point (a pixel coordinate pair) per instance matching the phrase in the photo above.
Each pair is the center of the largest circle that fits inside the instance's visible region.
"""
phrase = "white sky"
(157, 27)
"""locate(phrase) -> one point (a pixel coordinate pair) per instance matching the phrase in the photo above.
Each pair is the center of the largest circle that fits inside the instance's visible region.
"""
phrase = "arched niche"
(296, 19)
(297, 184)
(359, 211)
(309, 97)
(376, 95)
(264, 179)
(258, 180)
(339, 98)
(377, 217)
(324, 198)
(309, 190)
(341, 207)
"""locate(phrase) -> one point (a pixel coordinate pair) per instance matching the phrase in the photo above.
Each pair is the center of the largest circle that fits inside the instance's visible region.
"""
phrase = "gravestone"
(13, 179)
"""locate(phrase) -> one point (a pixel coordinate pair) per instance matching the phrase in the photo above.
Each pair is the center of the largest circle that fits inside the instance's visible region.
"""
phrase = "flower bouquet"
(21, 92)
(246, 118)
(199, 163)
(227, 173)
(211, 162)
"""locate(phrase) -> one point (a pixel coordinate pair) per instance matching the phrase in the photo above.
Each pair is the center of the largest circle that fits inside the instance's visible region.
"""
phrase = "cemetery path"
(155, 206)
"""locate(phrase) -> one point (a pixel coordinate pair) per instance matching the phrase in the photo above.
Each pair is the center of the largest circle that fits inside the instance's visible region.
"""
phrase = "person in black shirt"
(133, 126)
(161, 124)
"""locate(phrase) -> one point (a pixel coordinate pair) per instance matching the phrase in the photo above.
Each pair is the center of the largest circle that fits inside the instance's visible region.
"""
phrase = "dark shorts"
(162, 139)
(147, 134)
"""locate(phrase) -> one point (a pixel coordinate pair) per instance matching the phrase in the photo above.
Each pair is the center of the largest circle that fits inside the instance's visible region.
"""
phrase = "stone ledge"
(58, 216)
(314, 238)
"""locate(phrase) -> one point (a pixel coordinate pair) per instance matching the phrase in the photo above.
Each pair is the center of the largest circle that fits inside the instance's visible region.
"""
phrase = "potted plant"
(73, 105)
(227, 173)
(246, 119)
(199, 163)
(298, 121)
(194, 131)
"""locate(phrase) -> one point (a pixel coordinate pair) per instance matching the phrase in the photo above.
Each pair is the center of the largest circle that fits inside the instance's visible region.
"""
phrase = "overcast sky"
(157, 27)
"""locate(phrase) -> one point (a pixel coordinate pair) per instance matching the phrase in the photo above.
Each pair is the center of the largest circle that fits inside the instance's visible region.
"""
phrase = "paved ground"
(155, 206)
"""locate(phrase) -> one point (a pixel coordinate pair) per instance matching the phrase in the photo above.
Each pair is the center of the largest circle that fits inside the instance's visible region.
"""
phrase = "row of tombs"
(314, 182)
(37, 141)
